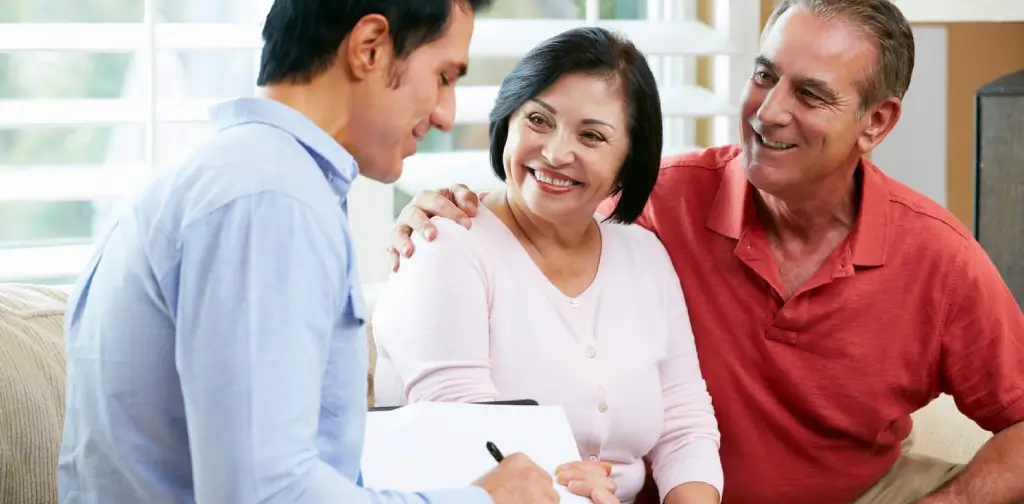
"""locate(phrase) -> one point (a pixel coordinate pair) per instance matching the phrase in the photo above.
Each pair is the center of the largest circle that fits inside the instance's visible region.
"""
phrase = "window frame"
(670, 35)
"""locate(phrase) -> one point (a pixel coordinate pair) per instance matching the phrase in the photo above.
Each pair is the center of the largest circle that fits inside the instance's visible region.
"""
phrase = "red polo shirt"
(813, 394)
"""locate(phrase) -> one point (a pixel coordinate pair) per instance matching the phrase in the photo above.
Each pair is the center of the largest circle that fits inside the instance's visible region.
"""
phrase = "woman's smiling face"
(565, 147)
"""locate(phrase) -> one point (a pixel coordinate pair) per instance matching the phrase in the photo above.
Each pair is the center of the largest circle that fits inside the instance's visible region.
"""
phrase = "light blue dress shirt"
(215, 343)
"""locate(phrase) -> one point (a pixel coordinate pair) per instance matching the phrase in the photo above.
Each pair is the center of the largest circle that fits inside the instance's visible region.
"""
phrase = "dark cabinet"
(999, 177)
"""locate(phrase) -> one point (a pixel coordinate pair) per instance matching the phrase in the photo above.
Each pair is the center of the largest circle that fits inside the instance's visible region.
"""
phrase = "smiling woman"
(601, 296)
(618, 129)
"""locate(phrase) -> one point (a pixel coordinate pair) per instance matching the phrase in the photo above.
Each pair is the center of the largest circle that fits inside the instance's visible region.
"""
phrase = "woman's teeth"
(555, 182)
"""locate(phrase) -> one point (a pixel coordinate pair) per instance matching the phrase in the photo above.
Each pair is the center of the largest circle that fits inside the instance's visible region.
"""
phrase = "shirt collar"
(338, 165)
(872, 227)
(733, 211)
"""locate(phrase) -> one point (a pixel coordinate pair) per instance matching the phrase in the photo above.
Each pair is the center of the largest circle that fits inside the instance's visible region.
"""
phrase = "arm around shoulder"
(432, 321)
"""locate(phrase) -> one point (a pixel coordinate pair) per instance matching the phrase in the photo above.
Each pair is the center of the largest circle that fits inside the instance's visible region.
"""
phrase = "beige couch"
(31, 392)
(32, 376)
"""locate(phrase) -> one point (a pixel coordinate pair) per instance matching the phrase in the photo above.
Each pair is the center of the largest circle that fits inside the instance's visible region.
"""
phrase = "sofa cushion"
(941, 431)
(32, 375)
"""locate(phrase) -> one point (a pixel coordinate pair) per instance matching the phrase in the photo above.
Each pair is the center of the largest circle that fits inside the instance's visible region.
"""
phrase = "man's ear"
(882, 118)
(369, 47)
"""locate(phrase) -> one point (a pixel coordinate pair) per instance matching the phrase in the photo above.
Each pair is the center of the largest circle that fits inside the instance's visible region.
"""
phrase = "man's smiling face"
(801, 117)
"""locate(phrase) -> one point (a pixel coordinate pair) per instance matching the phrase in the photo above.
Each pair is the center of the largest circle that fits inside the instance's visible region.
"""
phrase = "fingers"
(518, 479)
(434, 204)
(393, 258)
(532, 472)
(467, 200)
(591, 485)
(415, 217)
(599, 468)
(602, 496)
(519, 459)
(401, 244)
(588, 479)
(567, 477)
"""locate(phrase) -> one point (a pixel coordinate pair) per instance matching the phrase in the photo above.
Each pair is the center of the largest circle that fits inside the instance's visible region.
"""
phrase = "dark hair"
(597, 51)
(301, 37)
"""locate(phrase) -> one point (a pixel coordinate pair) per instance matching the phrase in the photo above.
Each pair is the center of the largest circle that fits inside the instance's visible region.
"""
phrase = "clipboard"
(453, 437)
(514, 402)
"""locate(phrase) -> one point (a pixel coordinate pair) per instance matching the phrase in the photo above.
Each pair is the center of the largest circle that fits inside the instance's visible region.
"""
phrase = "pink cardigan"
(470, 317)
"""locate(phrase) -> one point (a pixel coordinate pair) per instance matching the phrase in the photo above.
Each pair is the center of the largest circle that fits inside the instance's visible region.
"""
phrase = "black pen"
(495, 452)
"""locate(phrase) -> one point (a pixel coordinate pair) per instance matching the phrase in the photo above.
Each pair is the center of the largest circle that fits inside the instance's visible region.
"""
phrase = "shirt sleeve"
(260, 287)
(982, 356)
(687, 450)
(432, 321)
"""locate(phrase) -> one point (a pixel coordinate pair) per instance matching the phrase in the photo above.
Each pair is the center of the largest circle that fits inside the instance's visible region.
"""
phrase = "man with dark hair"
(828, 301)
(215, 344)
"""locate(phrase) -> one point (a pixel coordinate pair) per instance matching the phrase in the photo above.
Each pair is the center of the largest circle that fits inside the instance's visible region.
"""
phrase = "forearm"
(992, 477)
(692, 472)
(327, 486)
(322, 484)
(685, 461)
(693, 493)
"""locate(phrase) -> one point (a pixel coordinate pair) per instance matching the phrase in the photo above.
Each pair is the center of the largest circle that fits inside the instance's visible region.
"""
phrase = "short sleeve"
(982, 359)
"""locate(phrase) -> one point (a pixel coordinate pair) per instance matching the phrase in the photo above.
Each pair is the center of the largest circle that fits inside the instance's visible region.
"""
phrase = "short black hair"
(597, 51)
(301, 37)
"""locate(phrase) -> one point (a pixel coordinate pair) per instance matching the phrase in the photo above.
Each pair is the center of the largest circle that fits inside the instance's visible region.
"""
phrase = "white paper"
(431, 446)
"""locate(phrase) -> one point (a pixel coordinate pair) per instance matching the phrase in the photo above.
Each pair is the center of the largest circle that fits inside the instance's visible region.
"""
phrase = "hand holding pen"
(517, 479)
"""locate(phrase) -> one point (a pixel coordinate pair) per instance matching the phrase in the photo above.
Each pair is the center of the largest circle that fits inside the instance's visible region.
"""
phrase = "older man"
(829, 302)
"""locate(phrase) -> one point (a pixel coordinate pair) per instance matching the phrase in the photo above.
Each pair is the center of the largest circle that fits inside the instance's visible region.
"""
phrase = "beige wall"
(978, 53)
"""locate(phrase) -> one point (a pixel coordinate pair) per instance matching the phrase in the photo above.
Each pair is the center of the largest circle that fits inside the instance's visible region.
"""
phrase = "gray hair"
(884, 23)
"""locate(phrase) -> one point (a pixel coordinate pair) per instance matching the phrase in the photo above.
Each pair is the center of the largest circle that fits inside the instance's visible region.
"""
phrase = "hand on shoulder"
(456, 203)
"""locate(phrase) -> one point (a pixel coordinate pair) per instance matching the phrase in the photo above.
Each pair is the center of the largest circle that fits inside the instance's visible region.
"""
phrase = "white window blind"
(95, 95)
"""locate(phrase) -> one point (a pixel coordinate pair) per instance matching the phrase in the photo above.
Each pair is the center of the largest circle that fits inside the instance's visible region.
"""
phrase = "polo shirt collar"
(338, 165)
(733, 211)
(872, 227)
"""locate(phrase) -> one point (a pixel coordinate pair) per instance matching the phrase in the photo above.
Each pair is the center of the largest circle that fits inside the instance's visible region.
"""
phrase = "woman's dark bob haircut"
(599, 52)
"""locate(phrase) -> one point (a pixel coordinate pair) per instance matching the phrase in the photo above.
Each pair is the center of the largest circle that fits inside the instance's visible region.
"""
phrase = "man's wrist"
(941, 497)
